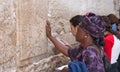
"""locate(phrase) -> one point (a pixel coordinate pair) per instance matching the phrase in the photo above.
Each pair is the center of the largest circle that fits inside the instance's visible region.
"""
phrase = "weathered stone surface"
(22, 30)
(47, 64)
(117, 8)
(7, 35)
(32, 16)
(22, 33)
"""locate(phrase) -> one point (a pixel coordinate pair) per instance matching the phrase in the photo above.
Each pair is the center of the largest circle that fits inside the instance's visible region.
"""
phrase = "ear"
(76, 28)
(86, 34)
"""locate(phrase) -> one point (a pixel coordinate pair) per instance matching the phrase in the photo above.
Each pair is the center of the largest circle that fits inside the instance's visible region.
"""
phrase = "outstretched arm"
(62, 48)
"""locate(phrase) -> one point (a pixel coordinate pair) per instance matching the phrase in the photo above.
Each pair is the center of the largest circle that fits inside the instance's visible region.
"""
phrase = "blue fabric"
(114, 27)
(77, 66)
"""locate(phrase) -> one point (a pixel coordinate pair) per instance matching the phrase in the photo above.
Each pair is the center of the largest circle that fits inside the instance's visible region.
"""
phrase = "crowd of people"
(96, 34)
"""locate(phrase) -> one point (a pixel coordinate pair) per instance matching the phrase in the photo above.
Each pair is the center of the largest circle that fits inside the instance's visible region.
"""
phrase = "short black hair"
(76, 20)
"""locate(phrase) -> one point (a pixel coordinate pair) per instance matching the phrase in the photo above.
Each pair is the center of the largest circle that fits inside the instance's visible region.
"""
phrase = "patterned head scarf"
(93, 25)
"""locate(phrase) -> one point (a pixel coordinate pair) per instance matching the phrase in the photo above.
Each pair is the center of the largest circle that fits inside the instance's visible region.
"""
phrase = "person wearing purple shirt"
(90, 34)
(88, 55)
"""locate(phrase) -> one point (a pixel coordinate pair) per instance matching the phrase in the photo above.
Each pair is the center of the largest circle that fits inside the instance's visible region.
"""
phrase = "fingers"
(48, 28)
(47, 22)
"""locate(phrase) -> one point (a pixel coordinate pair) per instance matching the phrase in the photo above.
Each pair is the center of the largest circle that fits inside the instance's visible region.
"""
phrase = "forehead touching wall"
(22, 28)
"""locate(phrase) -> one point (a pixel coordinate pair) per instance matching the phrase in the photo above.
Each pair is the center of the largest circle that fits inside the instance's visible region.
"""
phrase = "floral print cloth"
(90, 56)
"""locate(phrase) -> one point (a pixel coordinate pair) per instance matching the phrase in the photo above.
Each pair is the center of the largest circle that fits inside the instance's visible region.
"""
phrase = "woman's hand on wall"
(48, 29)
(61, 47)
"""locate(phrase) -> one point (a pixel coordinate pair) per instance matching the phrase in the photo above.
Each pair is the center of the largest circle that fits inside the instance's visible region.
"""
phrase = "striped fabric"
(112, 47)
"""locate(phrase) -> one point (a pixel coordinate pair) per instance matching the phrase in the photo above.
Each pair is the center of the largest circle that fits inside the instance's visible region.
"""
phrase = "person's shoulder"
(109, 37)
(76, 48)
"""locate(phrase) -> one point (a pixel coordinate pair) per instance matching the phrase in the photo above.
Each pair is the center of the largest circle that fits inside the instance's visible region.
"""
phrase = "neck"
(87, 42)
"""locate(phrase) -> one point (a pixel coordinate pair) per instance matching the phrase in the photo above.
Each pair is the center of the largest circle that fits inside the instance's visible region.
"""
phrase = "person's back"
(115, 49)
(112, 41)
(112, 47)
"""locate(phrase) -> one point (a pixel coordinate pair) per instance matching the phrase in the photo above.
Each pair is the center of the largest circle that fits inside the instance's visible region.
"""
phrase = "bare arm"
(62, 48)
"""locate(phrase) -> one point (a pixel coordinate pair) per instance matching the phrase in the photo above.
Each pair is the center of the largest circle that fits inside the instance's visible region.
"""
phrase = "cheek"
(80, 36)
(77, 38)
(73, 31)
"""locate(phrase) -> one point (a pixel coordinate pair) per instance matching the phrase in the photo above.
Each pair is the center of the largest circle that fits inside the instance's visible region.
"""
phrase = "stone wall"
(7, 36)
(23, 42)
(22, 33)
(32, 42)
(117, 8)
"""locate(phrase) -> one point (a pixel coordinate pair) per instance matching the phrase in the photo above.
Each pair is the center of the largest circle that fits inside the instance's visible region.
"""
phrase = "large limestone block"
(47, 64)
(117, 7)
(66, 9)
(31, 18)
(7, 35)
